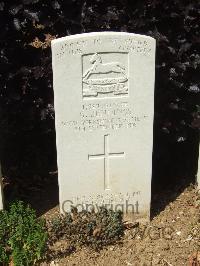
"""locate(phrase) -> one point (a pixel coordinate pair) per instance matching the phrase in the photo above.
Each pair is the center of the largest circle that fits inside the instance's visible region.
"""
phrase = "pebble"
(53, 263)
(166, 246)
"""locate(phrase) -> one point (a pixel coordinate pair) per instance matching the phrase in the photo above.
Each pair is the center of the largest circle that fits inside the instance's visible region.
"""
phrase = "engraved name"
(105, 116)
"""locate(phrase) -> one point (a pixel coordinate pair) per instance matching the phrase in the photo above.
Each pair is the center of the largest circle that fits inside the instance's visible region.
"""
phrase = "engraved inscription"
(72, 48)
(103, 116)
(132, 45)
(105, 77)
(106, 157)
(129, 45)
(107, 198)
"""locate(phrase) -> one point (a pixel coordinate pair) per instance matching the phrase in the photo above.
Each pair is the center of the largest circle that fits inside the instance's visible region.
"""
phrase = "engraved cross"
(106, 157)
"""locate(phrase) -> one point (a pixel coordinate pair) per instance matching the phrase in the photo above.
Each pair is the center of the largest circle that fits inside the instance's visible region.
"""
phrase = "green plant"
(93, 229)
(22, 235)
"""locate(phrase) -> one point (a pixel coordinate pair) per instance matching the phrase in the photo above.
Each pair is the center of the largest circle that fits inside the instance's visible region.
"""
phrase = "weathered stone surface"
(104, 104)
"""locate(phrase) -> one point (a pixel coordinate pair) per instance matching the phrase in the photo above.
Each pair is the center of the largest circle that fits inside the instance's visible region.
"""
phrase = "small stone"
(166, 246)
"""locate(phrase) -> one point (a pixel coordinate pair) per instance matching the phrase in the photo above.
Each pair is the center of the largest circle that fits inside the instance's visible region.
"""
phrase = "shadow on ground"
(174, 168)
(42, 196)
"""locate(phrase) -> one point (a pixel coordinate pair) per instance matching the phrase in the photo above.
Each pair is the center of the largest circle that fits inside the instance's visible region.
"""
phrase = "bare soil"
(171, 238)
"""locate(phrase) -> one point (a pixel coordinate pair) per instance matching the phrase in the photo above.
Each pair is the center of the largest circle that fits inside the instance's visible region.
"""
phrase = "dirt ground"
(171, 238)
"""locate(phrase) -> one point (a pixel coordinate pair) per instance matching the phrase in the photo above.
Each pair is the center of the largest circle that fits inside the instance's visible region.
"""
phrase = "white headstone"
(1, 190)
(104, 105)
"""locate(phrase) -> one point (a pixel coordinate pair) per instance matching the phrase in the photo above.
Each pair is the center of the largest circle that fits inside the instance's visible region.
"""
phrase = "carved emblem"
(104, 79)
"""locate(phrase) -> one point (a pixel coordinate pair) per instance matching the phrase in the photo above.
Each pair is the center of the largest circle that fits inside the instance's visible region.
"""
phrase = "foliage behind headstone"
(26, 93)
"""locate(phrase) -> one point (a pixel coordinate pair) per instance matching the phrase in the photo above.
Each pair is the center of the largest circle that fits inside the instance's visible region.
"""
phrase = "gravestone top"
(104, 102)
